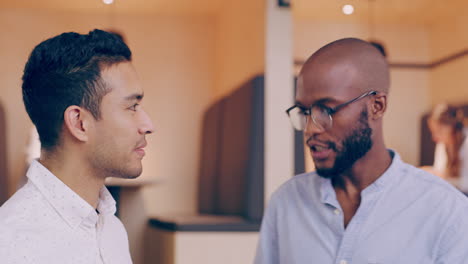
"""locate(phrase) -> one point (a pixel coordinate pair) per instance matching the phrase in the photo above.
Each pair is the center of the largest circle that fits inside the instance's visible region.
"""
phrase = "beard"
(110, 162)
(354, 147)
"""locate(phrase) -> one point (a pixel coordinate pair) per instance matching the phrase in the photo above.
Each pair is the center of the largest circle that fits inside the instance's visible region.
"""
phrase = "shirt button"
(343, 262)
(337, 212)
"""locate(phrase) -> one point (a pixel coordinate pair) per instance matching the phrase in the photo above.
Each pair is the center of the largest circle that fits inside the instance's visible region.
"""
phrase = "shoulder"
(19, 204)
(438, 195)
(299, 187)
(422, 181)
(25, 210)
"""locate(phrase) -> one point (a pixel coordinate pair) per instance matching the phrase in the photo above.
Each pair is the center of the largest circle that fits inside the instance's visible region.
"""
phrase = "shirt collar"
(327, 193)
(69, 205)
(390, 176)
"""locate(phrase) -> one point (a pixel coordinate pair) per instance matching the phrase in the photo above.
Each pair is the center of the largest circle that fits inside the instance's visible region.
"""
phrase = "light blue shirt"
(407, 216)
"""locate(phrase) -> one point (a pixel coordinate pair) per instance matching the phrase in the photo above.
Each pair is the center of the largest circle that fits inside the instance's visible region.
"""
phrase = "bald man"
(363, 204)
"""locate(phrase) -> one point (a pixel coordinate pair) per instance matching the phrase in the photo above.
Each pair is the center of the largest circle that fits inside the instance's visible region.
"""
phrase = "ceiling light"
(348, 9)
(108, 2)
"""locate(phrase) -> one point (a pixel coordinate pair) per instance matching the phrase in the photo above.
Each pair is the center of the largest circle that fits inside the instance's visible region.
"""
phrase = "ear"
(76, 123)
(378, 106)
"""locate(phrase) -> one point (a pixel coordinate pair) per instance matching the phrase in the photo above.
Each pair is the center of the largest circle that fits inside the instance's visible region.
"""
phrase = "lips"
(140, 152)
(142, 145)
(140, 149)
(321, 154)
(320, 151)
(319, 148)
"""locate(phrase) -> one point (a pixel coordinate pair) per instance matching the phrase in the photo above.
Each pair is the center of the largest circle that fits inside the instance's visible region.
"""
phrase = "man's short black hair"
(66, 70)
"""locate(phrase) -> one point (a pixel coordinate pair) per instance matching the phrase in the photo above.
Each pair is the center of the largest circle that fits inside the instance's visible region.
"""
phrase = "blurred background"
(191, 54)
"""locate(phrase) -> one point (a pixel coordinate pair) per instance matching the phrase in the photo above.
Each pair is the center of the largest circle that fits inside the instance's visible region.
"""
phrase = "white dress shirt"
(45, 222)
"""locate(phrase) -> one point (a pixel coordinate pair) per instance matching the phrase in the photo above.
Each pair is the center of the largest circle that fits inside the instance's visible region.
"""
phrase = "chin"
(324, 164)
(327, 169)
(127, 176)
(128, 173)
(327, 173)
(134, 173)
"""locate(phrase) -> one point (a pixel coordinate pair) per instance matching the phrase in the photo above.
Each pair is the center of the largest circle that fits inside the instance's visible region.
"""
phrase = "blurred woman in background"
(447, 126)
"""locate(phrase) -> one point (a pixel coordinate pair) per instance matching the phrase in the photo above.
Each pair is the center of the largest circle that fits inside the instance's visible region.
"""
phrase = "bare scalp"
(369, 64)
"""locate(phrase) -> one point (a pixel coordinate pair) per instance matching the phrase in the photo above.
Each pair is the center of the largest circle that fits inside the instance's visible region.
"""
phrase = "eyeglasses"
(320, 114)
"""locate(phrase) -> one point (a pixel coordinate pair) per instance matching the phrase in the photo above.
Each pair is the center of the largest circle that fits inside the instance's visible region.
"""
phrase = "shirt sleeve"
(267, 249)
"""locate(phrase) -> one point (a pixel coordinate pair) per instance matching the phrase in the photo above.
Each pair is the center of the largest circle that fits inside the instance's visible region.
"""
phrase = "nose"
(146, 125)
(311, 128)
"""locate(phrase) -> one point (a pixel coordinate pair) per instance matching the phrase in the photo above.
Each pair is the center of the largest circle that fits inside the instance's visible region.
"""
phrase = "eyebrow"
(135, 96)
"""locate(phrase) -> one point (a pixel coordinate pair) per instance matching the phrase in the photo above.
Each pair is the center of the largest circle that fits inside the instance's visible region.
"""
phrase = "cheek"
(110, 132)
(344, 130)
(118, 123)
(339, 132)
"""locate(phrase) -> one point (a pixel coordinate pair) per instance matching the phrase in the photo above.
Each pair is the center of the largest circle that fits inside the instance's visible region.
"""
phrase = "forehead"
(335, 82)
(122, 79)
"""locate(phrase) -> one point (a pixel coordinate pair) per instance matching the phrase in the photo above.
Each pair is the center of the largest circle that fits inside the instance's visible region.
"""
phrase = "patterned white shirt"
(45, 222)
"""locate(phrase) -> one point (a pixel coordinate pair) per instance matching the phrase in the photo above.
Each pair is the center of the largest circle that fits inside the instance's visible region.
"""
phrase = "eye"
(304, 111)
(323, 109)
(134, 107)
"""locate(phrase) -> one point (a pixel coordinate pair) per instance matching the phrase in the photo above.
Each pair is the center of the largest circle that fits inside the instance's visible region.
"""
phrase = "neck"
(71, 171)
(365, 171)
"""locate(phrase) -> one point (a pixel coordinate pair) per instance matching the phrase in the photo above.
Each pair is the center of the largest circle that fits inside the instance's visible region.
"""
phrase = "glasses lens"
(321, 117)
(298, 118)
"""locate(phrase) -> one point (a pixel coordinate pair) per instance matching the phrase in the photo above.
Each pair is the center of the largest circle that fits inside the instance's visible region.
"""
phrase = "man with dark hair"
(83, 95)
(363, 204)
